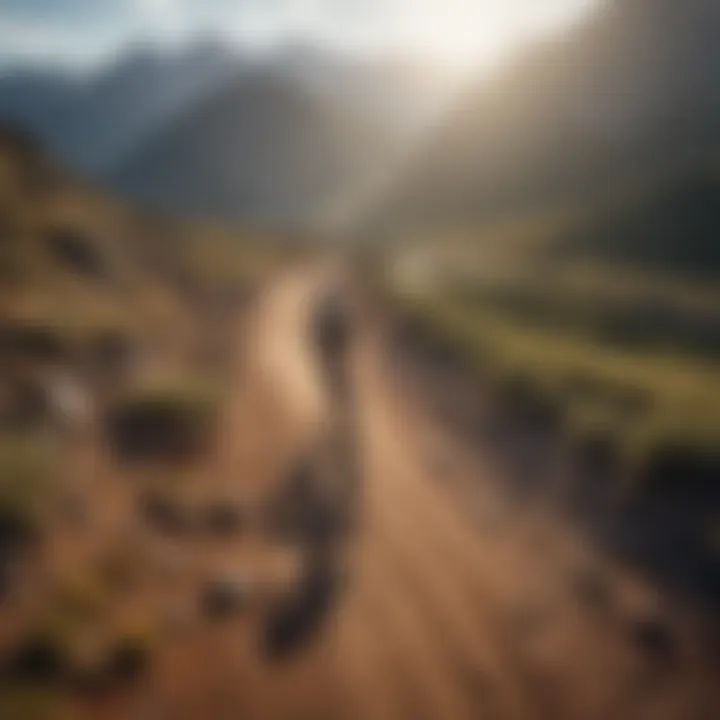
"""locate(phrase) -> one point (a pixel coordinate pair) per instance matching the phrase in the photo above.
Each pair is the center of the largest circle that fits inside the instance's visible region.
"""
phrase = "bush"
(119, 568)
(34, 340)
(122, 657)
(131, 654)
(597, 450)
(223, 518)
(25, 470)
(682, 473)
(109, 353)
(167, 512)
(655, 639)
(591, 588)
(163, 423)
(78, 252)
(521, 402)
(79, 600)
(21, 702)
(47, 649)
(224, 597)
(40, 656)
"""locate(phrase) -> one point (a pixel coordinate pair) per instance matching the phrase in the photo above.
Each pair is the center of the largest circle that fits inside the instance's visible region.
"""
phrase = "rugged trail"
(451, 600)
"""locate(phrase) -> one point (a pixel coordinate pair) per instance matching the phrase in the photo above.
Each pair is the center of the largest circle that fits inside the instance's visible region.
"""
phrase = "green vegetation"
(641, 397)
(72, 641)
(23, 702)
(42, 653)
(26, 464)
(132, 651)
(79, 600)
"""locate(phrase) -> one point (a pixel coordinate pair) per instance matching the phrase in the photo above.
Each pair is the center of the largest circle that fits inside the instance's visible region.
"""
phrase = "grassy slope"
(591, 378)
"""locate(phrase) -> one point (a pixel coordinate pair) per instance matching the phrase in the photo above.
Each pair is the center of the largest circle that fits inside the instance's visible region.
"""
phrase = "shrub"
(223, 518)
(131, 654)
(696, 468)
(25, 471)
(167, 512)
(118, 568)
(79, 600)
(22, 702)
(597, 450)
(224, 597)
(77, 251)
(682, 473)
(121, 657)
(40, 656)
(50, 645)
(524, 403)
(591, 588)
(26, 404)
(163, 423)
(655, 639)
(109, 353)
(34, 340)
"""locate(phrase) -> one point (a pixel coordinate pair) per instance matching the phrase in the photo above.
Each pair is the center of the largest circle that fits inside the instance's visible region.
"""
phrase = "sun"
(470, 33)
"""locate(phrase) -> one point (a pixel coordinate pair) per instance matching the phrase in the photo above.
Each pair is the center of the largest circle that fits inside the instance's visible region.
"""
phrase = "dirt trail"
(458, 604)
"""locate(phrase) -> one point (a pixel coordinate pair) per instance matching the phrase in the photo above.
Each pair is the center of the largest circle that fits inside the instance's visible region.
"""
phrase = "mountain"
(629, 96)
(131, 99)
(152, 125)
(29, 97)
(264, 150)
(90, 123)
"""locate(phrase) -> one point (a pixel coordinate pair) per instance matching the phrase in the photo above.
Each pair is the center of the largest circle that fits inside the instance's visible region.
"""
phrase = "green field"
(644, 373)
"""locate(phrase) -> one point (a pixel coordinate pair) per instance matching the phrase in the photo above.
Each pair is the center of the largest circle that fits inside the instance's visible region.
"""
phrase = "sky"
(458, 33)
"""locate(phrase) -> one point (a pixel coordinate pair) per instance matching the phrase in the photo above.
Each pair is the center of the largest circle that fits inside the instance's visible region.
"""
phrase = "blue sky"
(79, 32)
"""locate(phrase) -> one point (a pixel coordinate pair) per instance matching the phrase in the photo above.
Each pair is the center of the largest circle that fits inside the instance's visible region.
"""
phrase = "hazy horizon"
(452, 34)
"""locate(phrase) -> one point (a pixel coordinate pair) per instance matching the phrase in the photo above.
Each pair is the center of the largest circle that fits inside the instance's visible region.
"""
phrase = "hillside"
(81, 269)
(620, 101)
(671, 227)
(264, 150)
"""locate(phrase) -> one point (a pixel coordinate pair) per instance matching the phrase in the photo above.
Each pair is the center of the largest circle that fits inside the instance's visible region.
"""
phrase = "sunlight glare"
(482, 32)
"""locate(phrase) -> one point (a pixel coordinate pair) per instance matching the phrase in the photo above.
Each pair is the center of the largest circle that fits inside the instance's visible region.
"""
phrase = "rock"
(166, 515)
(591, 589)
(78, 252)
(7, 579)
(27, 404)
(37, 658)
(130, 658)
(223, 519)
(225, 597)
(655, 639)
(33, 341)
(70, 401)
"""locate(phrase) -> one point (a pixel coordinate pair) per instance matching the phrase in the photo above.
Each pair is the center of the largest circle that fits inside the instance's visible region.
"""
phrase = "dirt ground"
(440, 598)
